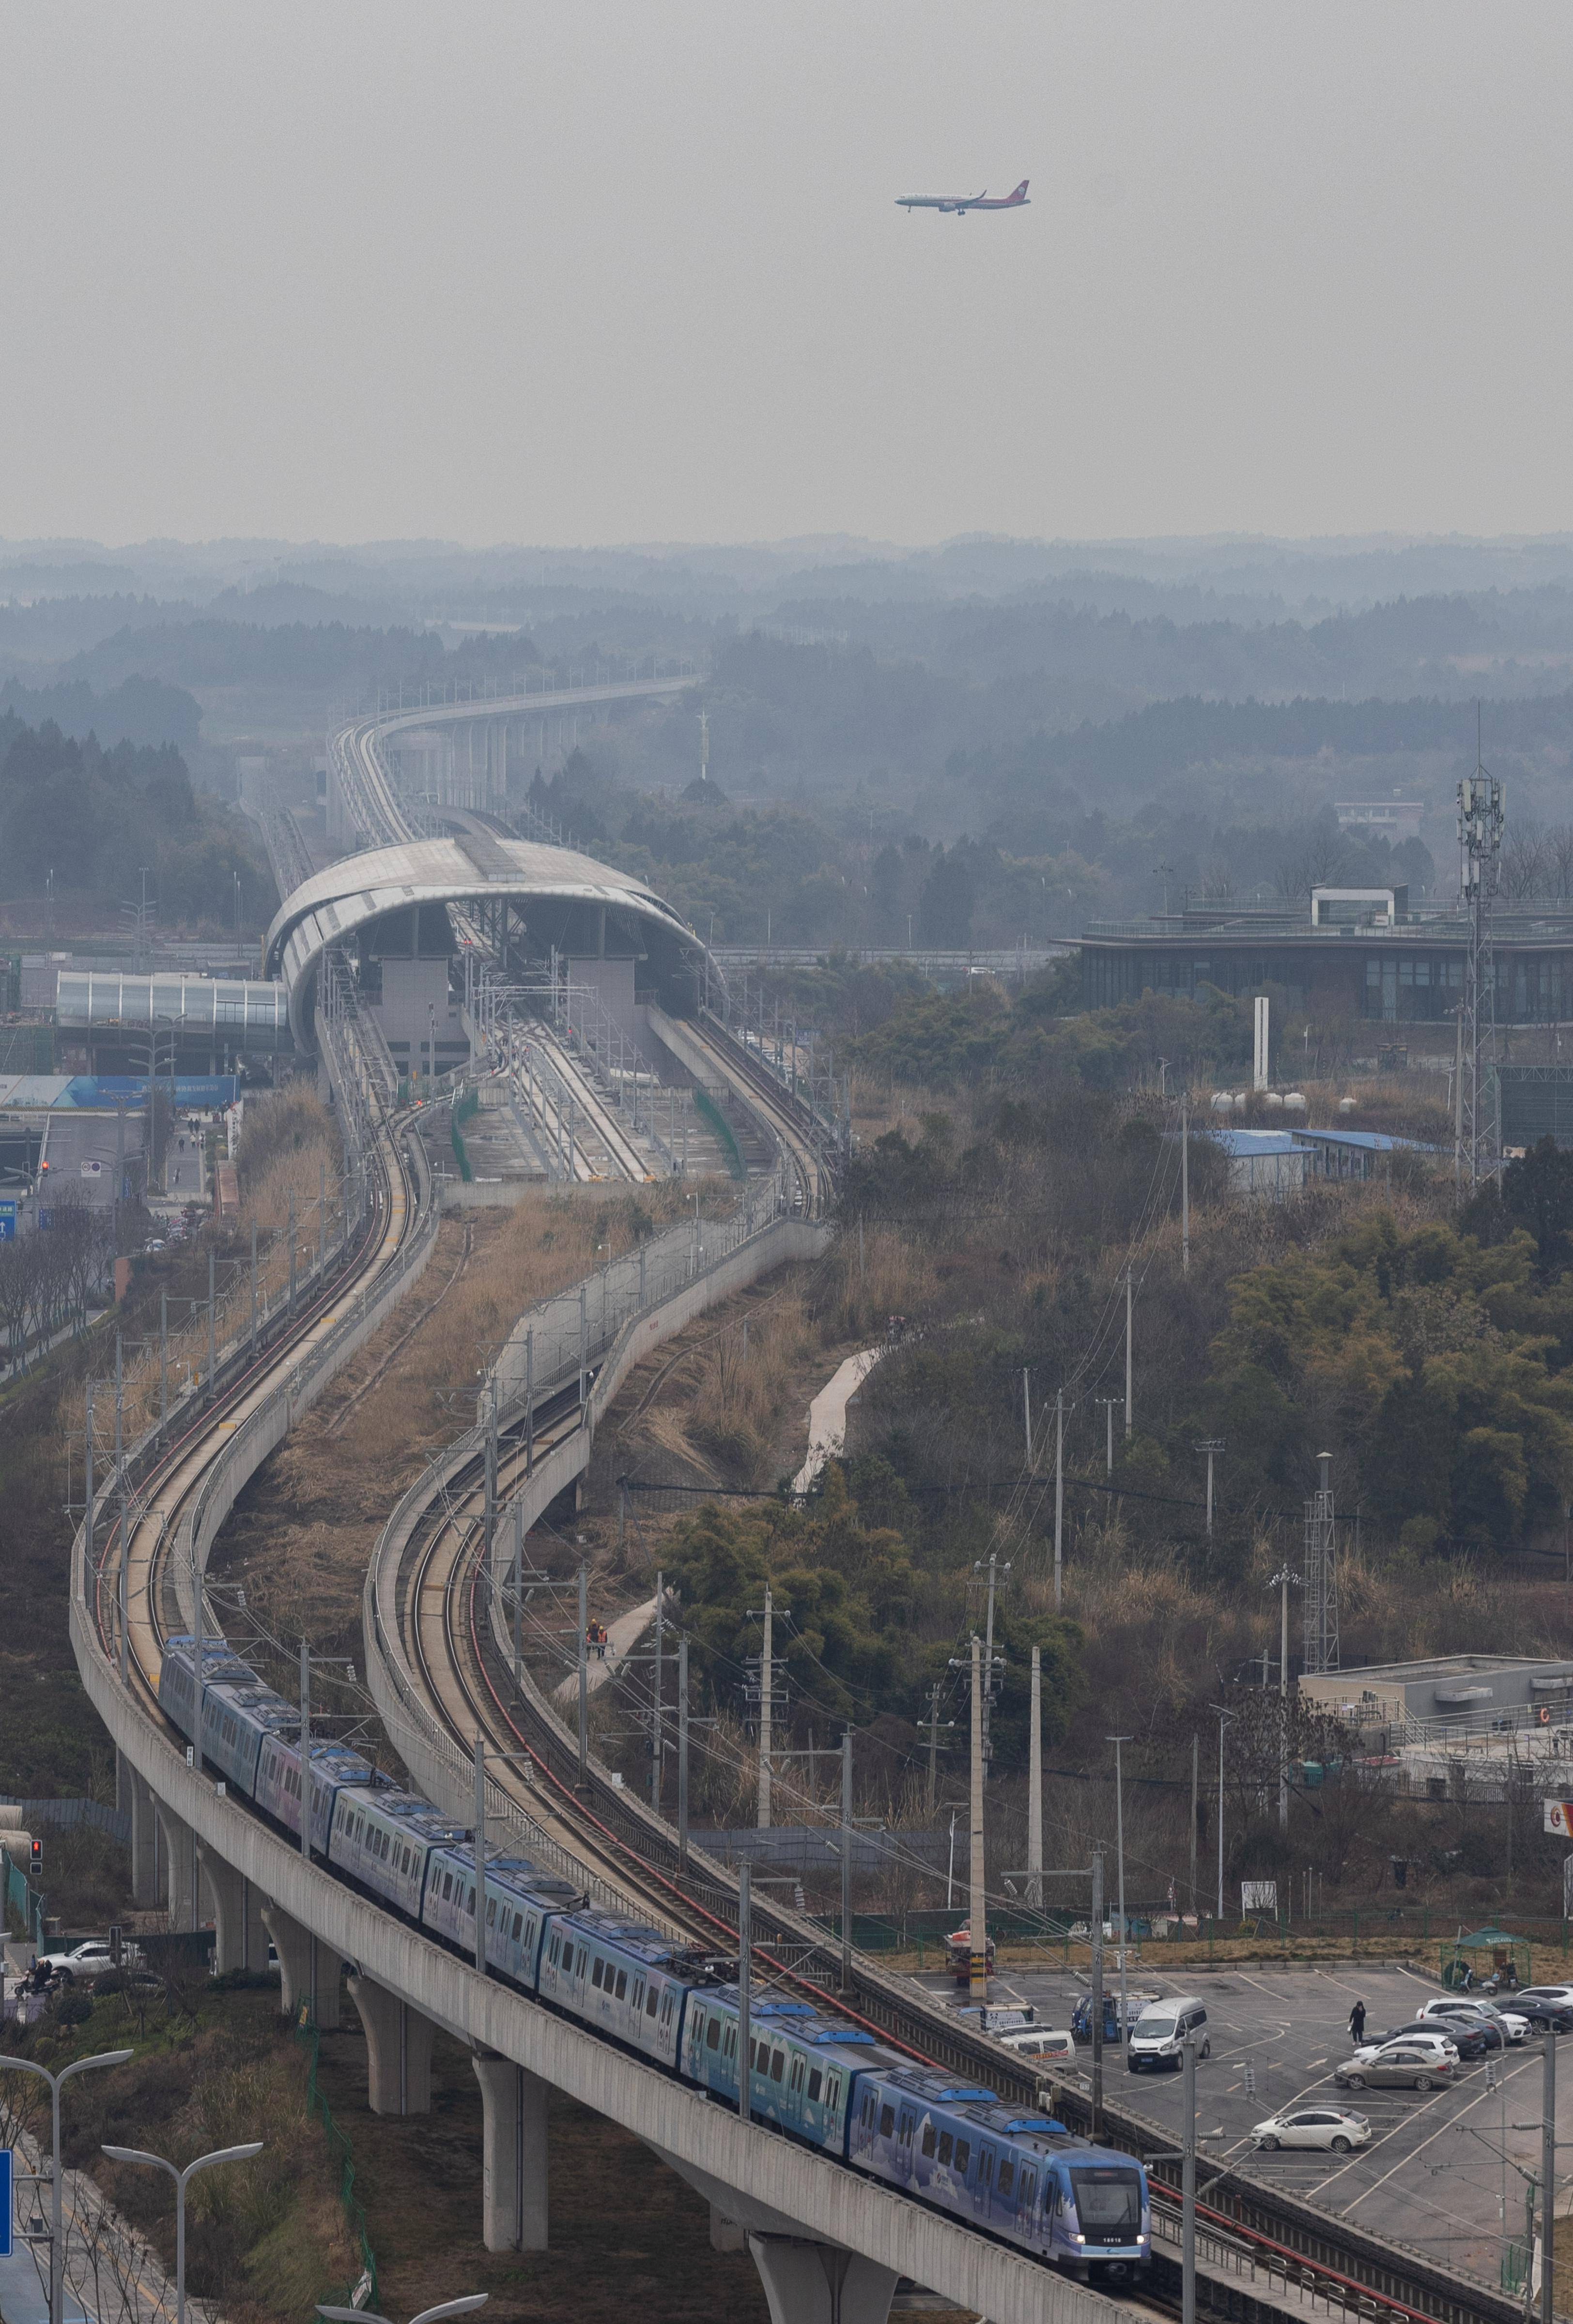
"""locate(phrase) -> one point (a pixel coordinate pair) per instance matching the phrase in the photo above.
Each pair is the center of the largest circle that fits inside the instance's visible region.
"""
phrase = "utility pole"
(212, 1325)
(1120, 1864)
(584, 1679)
(847, 1831)
(744, 1994)
(1187, 2190)
(977, 1909)
(656, 1699)
(1109, 1404)
(124, 1526)
(766, 1677)
(1098, 1994)
(291, 1250)
(253, 1287)
(1026, 1408)
(1035, 1786)
(305, 1757)
(988, 1660)
(1059, 1497)
(1194, 1812)
(1211, 1447)
(480, 1845)
(682, 1754)
(489, 1519)
(1223, 1722)
(91, 1512)
(164, 1354)
(934, 1742)
(1129, 1295)
(1185, 1202)
(518, 1589)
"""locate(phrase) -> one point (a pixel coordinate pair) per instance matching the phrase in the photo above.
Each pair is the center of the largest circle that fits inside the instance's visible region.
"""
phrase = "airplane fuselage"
(957, 205)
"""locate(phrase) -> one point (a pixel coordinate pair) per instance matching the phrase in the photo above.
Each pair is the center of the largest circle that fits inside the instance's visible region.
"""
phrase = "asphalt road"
(1432, 2176)
(183, 1165)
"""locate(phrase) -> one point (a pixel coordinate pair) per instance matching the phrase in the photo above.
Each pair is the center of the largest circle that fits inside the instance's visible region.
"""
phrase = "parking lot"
(1432, 2176)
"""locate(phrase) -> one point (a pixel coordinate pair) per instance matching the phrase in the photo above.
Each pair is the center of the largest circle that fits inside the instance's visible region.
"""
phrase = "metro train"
(1019, 2175)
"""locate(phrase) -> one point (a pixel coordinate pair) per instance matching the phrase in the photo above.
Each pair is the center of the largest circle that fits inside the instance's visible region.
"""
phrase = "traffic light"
(37, 1856)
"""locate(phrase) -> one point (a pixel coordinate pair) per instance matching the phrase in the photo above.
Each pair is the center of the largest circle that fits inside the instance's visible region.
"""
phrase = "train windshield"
(1109, 2195)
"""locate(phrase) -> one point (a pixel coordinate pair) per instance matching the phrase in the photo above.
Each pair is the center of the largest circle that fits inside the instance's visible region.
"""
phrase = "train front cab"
(1096, 2217)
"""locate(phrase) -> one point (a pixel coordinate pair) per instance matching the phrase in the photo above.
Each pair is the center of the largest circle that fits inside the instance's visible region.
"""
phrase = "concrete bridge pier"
(808, 2283)
(241, 1938)
(514, 2168)
(398, 2041)
(308, 1971)
(181, 1858)
(134, 1797)
(725, 2234)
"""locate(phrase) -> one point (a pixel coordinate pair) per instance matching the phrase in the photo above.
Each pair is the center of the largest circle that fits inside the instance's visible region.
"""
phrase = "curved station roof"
(563, 899)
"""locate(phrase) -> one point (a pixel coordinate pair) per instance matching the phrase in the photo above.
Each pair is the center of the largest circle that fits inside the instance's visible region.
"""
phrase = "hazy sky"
(594, 272)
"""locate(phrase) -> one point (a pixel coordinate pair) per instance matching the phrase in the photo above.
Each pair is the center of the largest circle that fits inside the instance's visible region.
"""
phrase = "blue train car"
(333, 1767)
(1021, 2176)
(238, 1716)
(804, 2064)
(622, 1979)
(520, 1898)
(177, 1689)
(386, 1841)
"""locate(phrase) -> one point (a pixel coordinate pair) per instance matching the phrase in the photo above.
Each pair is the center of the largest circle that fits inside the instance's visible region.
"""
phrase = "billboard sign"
(1558, 1816)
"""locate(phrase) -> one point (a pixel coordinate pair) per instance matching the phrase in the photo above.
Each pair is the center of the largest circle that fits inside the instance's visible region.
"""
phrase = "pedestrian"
(1357, 2023)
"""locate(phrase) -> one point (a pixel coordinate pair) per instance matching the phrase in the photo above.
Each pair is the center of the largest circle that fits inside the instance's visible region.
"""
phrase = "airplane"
(961, 203)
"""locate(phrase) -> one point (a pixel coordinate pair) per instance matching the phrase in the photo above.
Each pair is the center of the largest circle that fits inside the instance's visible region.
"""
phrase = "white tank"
(1272, 1102)
(1294, 1101)
(1345, 1105)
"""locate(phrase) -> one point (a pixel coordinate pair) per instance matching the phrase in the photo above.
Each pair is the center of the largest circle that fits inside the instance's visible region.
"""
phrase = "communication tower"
(1480, 821)
(1321, 1578)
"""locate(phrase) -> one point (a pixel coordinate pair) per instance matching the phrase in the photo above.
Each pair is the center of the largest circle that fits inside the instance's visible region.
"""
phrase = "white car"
(1513, 2027)
(80, 1963)
(1442, 2044)
(1330, 2128)
(1049, 2046)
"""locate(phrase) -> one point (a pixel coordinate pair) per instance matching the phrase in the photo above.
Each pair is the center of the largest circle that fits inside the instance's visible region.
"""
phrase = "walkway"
(622, 1636)
(828, 1415)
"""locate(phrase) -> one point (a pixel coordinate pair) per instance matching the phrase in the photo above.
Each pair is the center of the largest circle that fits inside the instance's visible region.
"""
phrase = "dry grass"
(871, 1274)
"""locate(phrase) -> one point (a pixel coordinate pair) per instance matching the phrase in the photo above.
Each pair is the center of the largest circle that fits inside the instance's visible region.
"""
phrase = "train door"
(983, 2186)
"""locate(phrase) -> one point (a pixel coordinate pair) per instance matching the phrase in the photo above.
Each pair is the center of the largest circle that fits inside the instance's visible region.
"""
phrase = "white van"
(1039, 2041)
(1159, 2035)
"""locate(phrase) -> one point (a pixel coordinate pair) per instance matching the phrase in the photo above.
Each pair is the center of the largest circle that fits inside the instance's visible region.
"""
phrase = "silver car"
(1402, 2066)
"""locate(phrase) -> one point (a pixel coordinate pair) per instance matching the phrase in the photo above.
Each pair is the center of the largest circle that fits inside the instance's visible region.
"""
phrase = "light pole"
(1224, 1717)
(57, 2273)
(1120, 1860)
(427, 2315)
(1111, 1404)
(1281, 1581)
(1211, 1447)
(221, 2154)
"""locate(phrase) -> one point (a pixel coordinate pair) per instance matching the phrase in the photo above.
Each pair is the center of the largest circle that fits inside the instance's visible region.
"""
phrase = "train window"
(447, 1886)
(469, 1903)
(963, 2156)
(1007, 2178)
(1028, 2187)
(669, 1994)
(887, 2121)
(596, 1975)
(712, 2033)
(929, 2141)
(815, 2084)
(833, 2092)
(653, 2001)
(909, 2123)
(985, 2168)
(518, 1924)
(947, 2146)
(637, 1998)
(777, 2065)
(731, 2041)
(584, 1956)
(491, 1912)
(796, 2074)
(621, 1984)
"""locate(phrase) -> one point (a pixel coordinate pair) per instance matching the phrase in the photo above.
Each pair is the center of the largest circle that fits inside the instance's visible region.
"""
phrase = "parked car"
(1081, 2016)
(1325, 2126)
(1159, 2035)
(1046, 2044)
(1546, 2005)
(1402, 2066)
(1462, 2041)
(80, 1964)
(1500, 2026)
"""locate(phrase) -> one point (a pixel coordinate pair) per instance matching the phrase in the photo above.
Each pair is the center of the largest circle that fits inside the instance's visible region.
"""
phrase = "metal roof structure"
(467, 869)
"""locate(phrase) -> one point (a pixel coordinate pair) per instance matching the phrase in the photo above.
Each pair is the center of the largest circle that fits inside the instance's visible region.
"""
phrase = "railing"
(587, 1320)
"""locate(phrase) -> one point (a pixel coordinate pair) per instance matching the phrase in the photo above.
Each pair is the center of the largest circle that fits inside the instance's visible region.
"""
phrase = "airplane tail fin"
(1020, 193)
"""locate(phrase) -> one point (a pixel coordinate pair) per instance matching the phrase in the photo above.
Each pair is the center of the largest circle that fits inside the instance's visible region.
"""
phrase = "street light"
(56, 2248)
(427, 2315)
(1120, 1847)
(220, 2154)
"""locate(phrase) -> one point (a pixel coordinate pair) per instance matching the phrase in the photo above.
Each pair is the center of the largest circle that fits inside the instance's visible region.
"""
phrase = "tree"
(1537, 1192)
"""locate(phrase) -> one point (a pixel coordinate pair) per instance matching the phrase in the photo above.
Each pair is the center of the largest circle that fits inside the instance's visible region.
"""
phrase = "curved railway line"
(445, 1619)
